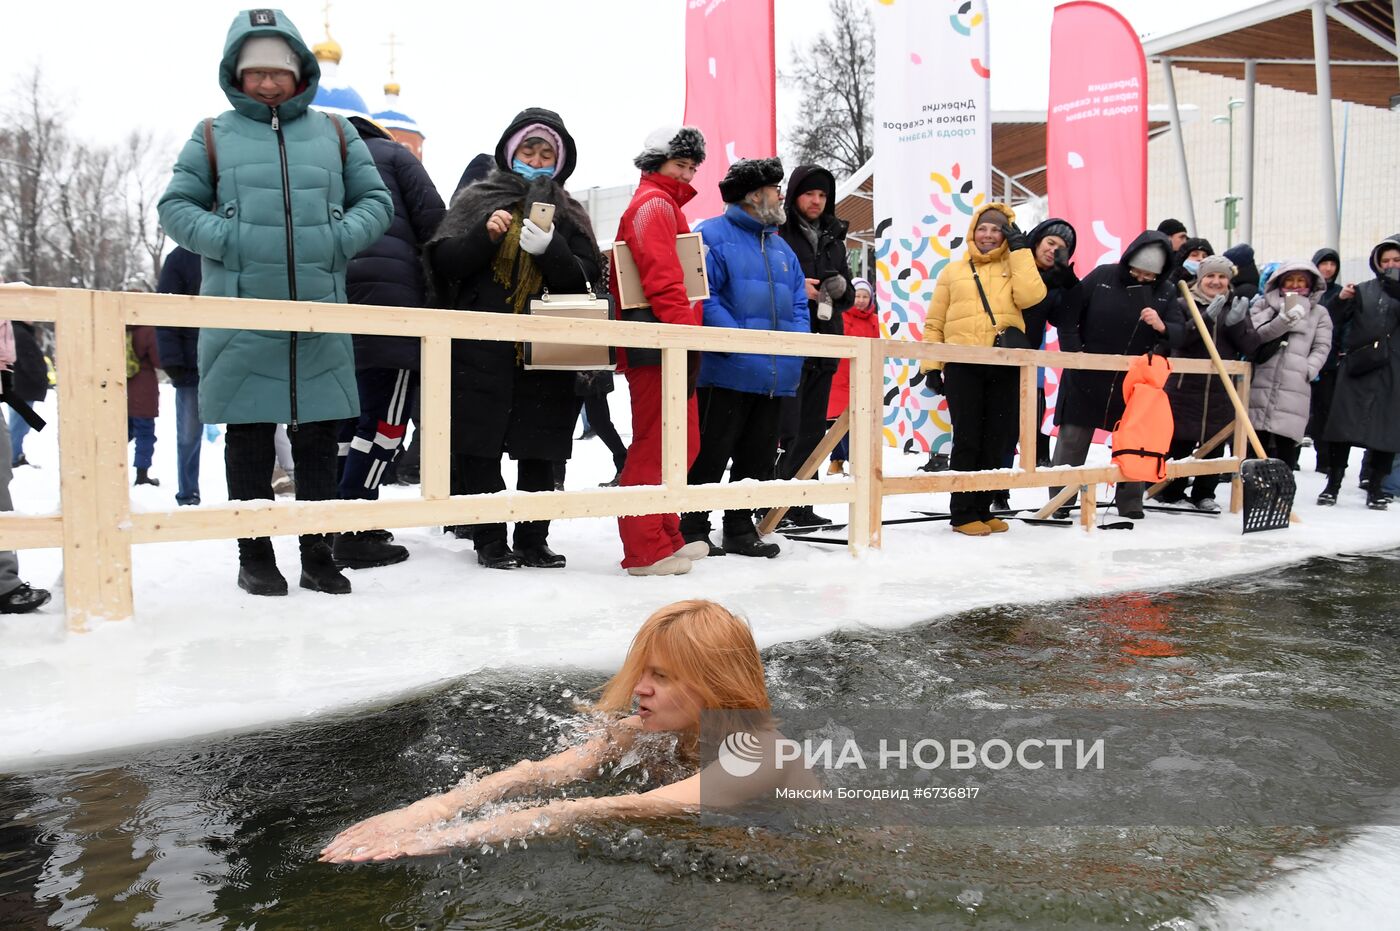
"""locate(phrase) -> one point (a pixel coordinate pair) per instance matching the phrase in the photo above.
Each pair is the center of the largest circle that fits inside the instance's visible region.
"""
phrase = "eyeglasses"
(278, 76)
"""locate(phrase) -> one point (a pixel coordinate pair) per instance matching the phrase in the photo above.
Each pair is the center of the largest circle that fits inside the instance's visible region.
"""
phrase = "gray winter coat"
(1366, 408)
(1280, 394)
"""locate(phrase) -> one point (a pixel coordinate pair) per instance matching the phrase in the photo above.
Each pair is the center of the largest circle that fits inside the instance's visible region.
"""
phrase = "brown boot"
(973, 528)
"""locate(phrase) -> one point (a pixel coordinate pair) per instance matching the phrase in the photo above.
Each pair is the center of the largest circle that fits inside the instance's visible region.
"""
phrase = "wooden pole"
(110, 434)
(673, 418)
(867, 372)
(1030, 408)
(809, 468)
(1239, 447)
(435, 408)
(1088, 505)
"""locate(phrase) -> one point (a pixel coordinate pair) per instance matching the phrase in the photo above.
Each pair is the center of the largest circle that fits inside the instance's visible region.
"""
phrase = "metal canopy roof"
(1278, 37)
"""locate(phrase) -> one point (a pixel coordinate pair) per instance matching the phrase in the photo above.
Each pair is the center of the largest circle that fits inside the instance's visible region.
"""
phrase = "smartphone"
(542, 215)
(1292, 300)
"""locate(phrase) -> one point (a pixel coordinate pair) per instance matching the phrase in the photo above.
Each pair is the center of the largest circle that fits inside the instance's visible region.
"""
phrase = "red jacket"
(857, 323)
(143, 389)
(649, 226)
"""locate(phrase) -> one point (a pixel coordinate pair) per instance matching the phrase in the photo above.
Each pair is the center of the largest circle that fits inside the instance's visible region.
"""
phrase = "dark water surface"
(224, 833)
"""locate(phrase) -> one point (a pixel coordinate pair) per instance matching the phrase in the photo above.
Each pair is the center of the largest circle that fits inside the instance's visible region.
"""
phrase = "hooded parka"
(1103, 315)
(1280, 392)
(287, 216)
(1011, 282)
(497, 405)
(1366, 409)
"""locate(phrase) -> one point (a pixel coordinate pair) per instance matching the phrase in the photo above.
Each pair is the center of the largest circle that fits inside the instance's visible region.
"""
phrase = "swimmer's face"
(663, 701)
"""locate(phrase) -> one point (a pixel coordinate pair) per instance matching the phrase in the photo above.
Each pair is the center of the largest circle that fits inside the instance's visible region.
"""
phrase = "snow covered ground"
(203, 657)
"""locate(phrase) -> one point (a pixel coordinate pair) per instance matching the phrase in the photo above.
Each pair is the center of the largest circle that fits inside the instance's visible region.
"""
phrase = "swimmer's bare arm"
(561, 768)
(554, 818)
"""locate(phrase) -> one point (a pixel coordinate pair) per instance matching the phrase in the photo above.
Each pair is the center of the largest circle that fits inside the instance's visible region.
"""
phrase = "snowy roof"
(335, 96)
(395, 119)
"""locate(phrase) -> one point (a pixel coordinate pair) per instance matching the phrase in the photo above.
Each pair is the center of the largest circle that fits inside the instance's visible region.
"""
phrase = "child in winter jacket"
(862, 319)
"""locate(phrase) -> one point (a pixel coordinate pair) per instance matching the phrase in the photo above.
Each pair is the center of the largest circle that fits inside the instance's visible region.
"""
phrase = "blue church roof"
(396, 119)
(343, 100)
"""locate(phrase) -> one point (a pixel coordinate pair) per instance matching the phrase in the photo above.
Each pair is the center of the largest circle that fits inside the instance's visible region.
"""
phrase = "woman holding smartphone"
(505, 240)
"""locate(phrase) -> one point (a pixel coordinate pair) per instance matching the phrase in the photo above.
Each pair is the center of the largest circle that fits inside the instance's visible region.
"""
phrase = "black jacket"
(1102, 316)
(390, 272)
(178, 346)
(31, 373)
(826, 259)
(496, 405)
(1366, 408)
(1337, 308)
(1200, 406)
(1059, 282)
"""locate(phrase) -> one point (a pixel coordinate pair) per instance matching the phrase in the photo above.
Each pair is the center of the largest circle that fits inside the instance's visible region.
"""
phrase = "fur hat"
(749, 174)
(273, 53)
(667, 142)
(1217, 265)
(1171, 226)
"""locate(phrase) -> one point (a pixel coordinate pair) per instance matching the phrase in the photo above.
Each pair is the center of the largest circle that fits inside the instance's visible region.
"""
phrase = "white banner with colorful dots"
(933, 156)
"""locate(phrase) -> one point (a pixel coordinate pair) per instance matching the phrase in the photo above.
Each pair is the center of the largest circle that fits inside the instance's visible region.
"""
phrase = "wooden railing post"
(867, 410)
(674, 382)
(1030, 409)
(435, 420)
(1239, 448)
(97, 533)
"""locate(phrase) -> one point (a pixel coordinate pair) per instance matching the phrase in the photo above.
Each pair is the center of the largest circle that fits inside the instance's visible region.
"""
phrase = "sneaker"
(748, 544)
(22, 599)
(1207, 505)
(997, 525)
(697, 549)
(973, 528)
(670, 565)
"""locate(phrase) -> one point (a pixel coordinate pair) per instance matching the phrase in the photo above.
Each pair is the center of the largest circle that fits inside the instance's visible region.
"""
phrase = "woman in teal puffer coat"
(276, 210)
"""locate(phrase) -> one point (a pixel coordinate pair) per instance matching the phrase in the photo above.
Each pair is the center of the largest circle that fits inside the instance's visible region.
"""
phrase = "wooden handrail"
(97, 528)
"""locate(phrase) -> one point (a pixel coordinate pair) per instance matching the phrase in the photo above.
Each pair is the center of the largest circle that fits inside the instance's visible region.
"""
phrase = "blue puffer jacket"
(290, 212)
(756, 283)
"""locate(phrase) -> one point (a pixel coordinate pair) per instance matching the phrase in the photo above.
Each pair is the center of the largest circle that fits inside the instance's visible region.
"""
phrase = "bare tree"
(74, 213)
(836, 74)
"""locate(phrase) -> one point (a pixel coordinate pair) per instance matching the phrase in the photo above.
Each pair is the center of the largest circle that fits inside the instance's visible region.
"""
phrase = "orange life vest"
(1144, 435)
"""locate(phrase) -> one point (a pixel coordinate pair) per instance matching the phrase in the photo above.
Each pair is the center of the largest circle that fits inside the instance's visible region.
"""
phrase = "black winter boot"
(318, 569)
(367, 550)
(143, 477)
(257, 568)
(1376, 499)
(749, 544)
(1334, 487)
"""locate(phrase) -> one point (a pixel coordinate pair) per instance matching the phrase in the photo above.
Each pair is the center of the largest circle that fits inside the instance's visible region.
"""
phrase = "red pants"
(651, 537)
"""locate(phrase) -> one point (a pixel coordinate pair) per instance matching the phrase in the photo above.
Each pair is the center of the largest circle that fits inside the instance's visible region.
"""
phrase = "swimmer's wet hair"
(702, 644)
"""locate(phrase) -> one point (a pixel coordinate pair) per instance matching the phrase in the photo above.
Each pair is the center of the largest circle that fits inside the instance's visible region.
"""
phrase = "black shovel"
(1268, 483)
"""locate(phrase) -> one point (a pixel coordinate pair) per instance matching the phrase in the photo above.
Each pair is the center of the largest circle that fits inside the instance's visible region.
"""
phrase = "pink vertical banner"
(730, 83)
(1096, 130)
(1095, 138)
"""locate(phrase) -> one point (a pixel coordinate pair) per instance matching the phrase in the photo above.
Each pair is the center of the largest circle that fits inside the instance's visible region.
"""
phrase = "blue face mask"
(1192, 266)
(530, 172)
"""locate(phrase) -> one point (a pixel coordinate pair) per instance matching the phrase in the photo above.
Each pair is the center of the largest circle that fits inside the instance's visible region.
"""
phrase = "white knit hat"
(270, 52)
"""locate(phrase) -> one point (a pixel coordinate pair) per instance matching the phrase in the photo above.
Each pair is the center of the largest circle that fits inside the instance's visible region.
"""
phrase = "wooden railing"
(96, 527)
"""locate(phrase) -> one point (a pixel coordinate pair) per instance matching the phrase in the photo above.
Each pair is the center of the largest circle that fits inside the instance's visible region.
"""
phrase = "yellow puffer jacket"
(1010, 279)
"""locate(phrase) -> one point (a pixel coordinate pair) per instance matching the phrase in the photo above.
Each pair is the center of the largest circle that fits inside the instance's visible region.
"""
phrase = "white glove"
(1294, 314)
(533, 239)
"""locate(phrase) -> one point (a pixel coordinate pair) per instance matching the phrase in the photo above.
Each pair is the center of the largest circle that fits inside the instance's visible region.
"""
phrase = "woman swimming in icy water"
(688, 657)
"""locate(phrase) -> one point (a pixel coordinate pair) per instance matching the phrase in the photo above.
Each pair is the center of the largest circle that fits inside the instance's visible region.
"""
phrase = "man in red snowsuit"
(652, 543)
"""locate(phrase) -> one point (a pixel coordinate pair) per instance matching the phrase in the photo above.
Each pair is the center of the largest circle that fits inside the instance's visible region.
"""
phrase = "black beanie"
(749, 174)
(1171, 226)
